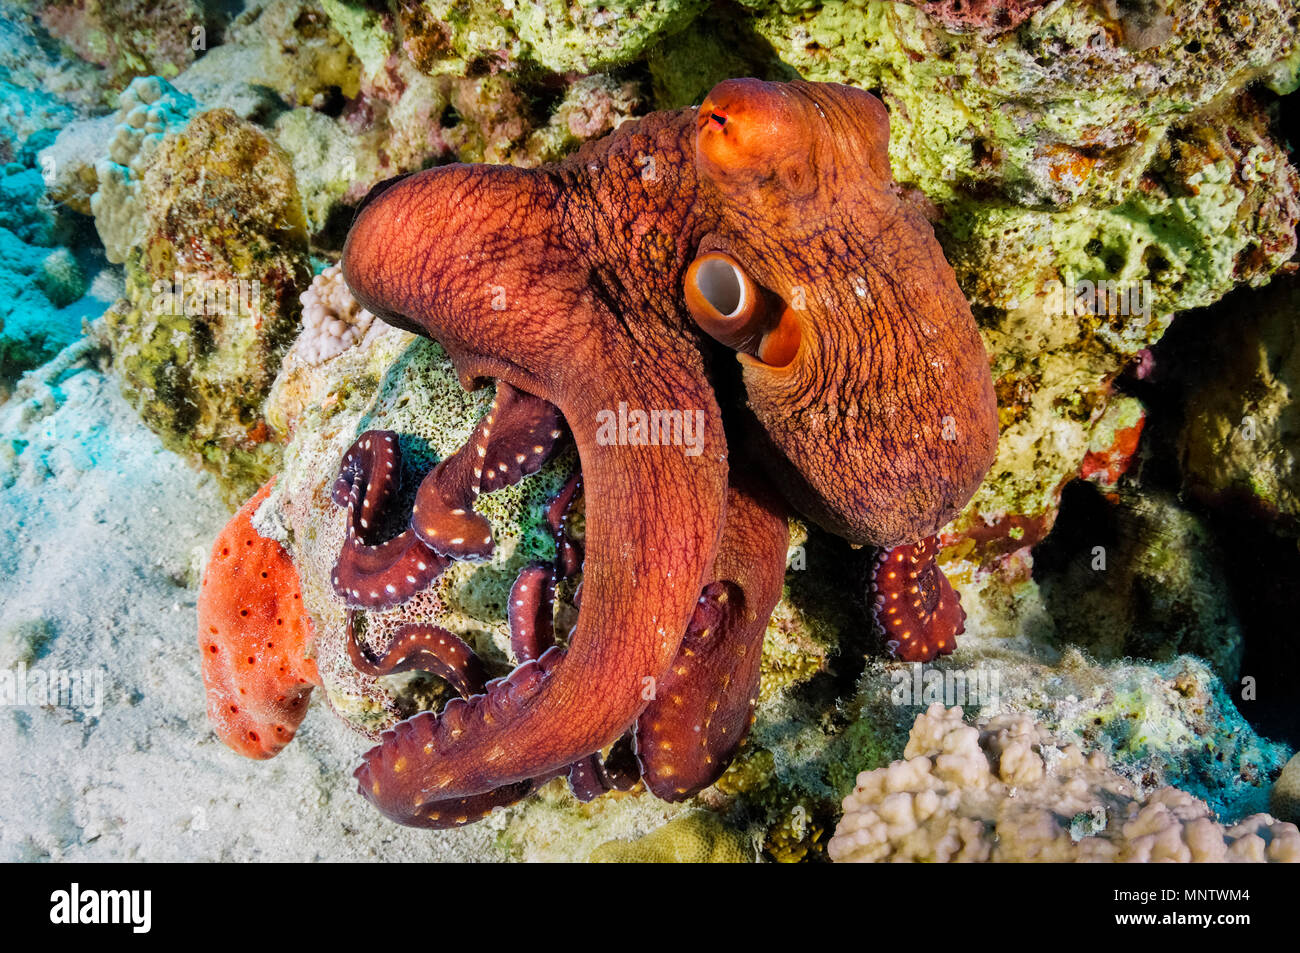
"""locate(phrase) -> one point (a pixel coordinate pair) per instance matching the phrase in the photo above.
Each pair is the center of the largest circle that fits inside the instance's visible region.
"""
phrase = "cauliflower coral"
(1007, 790)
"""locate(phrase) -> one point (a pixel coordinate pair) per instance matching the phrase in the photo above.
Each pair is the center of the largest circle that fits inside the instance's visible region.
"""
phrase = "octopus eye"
(732, 308)
(725, 302)
(722, 288)
(717, 119)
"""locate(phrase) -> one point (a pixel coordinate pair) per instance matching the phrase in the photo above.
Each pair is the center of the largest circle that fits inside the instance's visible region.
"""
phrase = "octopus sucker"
(916, 609)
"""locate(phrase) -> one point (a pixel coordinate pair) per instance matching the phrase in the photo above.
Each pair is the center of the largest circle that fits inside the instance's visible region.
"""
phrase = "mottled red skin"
(566, 283)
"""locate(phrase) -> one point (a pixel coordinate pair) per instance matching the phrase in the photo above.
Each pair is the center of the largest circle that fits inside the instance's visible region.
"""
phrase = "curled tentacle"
(913, 603)
(592, 776)
(515, 437)
(370, 574)
(425, 648)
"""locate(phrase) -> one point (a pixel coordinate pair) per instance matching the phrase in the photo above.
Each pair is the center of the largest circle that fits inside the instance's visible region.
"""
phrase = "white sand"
(101, 531)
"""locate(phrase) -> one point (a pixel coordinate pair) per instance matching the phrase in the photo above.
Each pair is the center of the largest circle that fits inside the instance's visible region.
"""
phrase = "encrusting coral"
(1007, 790)
(699, 837)
(212, 296)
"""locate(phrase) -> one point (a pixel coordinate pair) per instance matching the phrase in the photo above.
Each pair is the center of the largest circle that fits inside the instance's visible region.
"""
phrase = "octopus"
(734, 315)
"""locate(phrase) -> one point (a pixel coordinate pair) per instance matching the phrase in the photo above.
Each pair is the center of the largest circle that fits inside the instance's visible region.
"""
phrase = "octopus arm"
(705, 703)
(370, 574)
(513, 439)
(653, 521)
(913, 604)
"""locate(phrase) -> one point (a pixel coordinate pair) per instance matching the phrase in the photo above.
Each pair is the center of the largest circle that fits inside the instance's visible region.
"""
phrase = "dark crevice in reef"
(329, 240)
(1262, 568)
(1086, 520)
(1255, 561)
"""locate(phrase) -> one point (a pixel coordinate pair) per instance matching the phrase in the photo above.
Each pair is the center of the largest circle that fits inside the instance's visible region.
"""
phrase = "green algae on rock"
(582, 37)
(212, 296)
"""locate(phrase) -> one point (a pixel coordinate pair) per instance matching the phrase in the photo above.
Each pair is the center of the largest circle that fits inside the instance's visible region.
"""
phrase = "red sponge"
(254, 635)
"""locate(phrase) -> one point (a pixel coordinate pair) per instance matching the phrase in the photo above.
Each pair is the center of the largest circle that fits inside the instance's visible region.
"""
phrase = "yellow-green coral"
(696, 838)
(795, 837)
(211, 298)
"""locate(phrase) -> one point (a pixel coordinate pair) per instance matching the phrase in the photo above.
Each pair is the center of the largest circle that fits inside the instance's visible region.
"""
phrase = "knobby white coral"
(148, 109)
(332, 321)
(1006, 790)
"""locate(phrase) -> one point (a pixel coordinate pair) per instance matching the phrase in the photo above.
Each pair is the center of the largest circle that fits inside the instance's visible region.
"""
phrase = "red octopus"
(607, 289)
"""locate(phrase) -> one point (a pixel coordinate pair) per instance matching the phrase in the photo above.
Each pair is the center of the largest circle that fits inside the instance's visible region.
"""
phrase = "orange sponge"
(254, 635)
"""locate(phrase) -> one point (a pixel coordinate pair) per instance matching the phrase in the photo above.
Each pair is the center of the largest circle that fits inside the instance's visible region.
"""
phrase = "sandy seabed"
(104, 532)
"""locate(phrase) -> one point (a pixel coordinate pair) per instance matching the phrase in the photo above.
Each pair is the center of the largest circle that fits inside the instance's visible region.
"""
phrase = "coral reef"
(46, 264)
(1167, 724)
(951, 800)
(581, 37)
(212, 295)
(1073, 158)
(128, 37)
(987, 17)
(42, 89)
(1149, 583)
(41, 283)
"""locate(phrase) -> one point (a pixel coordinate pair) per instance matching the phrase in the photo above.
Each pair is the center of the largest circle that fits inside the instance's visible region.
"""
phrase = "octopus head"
(861, 360)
